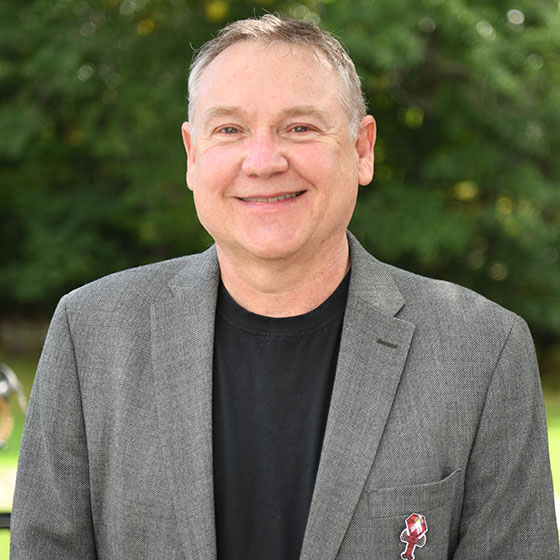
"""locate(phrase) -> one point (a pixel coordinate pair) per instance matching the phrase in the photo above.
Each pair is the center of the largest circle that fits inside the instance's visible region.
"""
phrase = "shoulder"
(462, 340)
(139, 287)
(456, 318)
(424, 294)
(423, 300)
(444, 314)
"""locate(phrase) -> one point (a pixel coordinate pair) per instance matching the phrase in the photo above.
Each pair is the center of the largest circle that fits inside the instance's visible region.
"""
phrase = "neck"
(276, 288)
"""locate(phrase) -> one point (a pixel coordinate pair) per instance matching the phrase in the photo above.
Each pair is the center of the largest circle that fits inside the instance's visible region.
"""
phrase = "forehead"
(249, 72)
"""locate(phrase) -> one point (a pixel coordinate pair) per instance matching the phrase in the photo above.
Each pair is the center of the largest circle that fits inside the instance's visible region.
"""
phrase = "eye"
(228, 130)
(300, 128)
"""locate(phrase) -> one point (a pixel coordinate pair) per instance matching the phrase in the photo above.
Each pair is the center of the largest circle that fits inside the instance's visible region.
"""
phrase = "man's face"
(271, 161)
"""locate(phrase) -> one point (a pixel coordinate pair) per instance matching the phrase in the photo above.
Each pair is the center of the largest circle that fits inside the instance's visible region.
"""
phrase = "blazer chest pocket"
(375, 531)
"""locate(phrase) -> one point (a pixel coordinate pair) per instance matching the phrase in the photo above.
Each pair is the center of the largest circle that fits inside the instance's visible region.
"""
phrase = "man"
(283, 394)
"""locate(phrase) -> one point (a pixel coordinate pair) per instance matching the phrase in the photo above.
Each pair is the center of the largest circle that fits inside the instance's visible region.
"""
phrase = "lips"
(272, 198)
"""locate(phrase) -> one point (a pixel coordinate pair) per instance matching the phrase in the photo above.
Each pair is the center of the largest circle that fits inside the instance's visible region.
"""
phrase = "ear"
(364, 148)
(188, 141)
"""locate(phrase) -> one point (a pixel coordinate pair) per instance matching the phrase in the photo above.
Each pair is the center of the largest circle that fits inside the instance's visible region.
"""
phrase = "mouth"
(272, 198)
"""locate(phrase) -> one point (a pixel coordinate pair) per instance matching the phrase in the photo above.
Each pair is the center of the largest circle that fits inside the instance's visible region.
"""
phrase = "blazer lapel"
(182, 350)
(372, 355)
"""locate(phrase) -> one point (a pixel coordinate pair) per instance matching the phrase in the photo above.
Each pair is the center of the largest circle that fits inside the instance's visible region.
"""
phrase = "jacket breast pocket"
(375, 530)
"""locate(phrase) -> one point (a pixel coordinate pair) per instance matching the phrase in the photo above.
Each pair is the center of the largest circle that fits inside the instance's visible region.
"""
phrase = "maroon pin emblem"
(414, 535)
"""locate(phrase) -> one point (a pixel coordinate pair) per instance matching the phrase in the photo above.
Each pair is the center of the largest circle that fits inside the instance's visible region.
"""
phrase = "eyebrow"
(304, 110)
(220, 111)
(223, 111)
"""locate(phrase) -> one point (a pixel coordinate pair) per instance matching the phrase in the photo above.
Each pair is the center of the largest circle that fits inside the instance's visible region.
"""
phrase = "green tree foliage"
(465, 94)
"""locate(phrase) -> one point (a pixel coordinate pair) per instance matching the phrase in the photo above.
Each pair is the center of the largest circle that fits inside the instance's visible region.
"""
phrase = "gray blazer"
(436, 410)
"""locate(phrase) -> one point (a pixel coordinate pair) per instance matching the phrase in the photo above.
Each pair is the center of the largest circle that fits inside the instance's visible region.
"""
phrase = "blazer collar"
(371, 281)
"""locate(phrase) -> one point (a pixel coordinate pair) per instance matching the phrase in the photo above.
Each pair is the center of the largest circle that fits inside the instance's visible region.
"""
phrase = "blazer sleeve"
(51, 517)
(508, 509)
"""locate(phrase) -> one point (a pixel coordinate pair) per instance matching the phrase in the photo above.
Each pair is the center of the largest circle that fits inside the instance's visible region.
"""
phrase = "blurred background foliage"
(465, 92)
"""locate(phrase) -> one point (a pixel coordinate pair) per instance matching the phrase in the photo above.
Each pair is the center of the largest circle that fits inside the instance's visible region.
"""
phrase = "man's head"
(272, 161)
(270, 29)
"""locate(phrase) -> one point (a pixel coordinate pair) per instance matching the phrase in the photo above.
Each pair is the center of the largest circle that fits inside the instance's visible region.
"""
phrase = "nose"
(264, 156)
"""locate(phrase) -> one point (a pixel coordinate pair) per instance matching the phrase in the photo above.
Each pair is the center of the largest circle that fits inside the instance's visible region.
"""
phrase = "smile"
(274, 198)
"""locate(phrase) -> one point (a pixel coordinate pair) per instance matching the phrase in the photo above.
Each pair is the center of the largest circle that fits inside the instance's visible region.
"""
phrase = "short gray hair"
(270, 28)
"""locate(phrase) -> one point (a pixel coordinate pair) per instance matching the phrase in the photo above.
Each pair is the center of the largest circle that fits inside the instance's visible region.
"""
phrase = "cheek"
(326, 159)
(214, 171)
(339, 173)
(212, 180)
(315, 164)
(332, 171)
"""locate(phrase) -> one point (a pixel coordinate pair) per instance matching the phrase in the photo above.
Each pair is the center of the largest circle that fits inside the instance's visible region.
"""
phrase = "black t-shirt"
(272, 386)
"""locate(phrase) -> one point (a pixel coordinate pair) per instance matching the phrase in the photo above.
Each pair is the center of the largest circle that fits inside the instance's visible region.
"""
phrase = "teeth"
(273, 199)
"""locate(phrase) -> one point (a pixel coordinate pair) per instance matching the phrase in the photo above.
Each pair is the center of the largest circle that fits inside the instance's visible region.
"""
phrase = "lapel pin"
(414, 535)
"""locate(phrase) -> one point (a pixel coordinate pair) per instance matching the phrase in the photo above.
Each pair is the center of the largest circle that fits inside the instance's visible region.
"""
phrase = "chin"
(274, 249)
(272, 253)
